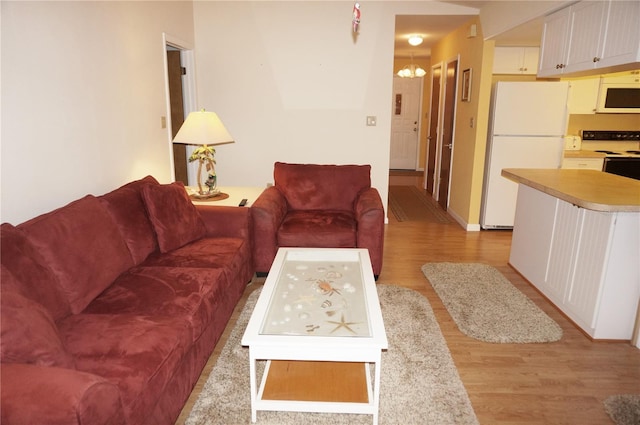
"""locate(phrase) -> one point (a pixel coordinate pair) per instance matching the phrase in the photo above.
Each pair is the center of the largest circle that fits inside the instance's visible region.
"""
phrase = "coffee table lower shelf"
(316, 386)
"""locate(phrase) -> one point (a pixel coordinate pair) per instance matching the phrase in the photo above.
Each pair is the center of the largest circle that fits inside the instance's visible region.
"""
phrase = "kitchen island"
(576, 238)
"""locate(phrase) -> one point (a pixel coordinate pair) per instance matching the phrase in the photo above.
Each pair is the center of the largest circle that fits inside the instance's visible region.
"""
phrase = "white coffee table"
(317, 305)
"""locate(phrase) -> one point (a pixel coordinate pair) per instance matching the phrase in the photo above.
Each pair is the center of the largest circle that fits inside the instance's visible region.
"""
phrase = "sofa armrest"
(267, 212)
(226, 221)
(369, 214)
(37, 394)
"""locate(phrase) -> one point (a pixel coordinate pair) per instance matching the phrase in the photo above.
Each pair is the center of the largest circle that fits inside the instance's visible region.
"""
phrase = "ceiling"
(434, 27)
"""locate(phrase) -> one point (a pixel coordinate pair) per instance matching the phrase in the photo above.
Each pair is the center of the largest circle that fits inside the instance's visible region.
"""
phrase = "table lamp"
(205, 129)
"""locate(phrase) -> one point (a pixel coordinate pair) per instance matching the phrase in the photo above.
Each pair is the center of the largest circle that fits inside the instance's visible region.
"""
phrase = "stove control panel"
(612, 136)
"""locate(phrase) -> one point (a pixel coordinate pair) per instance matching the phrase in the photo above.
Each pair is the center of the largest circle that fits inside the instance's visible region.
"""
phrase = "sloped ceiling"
(434, 27)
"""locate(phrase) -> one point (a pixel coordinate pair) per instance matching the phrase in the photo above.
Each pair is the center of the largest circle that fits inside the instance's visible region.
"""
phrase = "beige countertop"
(590, 189)
(583, 154)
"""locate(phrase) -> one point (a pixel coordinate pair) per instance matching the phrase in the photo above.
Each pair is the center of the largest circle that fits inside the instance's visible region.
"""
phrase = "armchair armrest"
(226, 221)
(369, 214)
(37, 394)
(267, 212)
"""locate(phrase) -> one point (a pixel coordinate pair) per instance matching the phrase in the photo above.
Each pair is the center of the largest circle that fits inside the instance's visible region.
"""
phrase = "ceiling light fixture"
(412, 70)
(415, 40)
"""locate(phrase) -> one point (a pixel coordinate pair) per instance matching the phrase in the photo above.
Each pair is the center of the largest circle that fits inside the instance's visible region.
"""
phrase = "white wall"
(83, 90)
(291, 84)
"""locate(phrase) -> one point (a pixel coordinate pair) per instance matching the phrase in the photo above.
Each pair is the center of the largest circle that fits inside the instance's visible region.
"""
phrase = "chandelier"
(412, 70)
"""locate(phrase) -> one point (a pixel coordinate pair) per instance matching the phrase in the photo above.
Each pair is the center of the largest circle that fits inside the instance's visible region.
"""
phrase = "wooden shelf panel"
(316, 381)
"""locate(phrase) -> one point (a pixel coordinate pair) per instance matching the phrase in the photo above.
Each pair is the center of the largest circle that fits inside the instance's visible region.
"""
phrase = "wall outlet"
(371, 120)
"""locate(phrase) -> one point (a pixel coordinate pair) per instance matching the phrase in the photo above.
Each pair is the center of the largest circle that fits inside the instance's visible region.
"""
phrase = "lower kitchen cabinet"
(583, 163)
(584, 261)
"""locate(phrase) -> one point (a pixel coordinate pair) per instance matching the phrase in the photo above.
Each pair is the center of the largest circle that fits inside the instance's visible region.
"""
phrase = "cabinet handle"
(596, 59)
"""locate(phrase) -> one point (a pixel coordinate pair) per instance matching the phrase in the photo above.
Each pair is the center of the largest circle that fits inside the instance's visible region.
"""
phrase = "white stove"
(621, 149)
(622, 154)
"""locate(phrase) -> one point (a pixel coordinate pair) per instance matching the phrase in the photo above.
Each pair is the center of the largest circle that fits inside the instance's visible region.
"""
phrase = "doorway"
(405, 123)
(434, 116)
(175, 71)
(448, 129)
(180, 91)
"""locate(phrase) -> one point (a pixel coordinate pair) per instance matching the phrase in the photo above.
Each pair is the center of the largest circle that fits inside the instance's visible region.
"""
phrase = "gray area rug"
(486, 306)
(419, 381)
(624, 409)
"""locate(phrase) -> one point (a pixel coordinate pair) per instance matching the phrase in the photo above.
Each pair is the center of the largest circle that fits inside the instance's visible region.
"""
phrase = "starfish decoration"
(343, 324)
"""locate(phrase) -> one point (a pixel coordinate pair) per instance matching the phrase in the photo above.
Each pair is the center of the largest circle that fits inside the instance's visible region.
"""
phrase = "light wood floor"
(558, 383)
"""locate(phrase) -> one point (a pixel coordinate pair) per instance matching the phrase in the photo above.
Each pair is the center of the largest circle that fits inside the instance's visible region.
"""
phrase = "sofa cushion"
(231, 254)
(128, 211)
(33, 276)
(183, 293)
(83, 247)
(321, 187)
(140, 354)
(318, 229)
(28, 333)
(173, 216)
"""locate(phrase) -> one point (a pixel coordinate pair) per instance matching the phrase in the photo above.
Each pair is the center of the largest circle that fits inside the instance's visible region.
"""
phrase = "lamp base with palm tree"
(206, 162)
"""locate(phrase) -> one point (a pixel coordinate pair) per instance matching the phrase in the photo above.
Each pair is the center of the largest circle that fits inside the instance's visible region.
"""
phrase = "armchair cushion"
(318, 229)
(321, 187)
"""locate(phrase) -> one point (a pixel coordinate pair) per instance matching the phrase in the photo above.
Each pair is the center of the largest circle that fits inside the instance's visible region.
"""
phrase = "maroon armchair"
(319, 206)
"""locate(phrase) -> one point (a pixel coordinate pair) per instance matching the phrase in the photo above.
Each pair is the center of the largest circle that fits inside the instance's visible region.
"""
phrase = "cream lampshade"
(204, 128)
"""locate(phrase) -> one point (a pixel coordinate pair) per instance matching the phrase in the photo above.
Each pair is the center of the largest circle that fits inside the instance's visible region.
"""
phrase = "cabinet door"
(561, 254)
(622, 39)
(583, 96)
(515, 60)
(507, 60)
(530, 57)
(555, 34)
(583, 163)
(585, 284)
(588, 20)
(532, 232)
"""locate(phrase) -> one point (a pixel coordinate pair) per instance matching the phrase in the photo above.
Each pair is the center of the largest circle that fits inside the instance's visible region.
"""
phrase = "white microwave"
(619, 95)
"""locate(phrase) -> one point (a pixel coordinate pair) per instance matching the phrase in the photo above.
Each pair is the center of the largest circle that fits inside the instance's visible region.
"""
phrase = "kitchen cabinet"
(583, 163)
(590, 35)
(555, 38)
(621, 44)
(583, 96)
(516, 60)
(583, 260)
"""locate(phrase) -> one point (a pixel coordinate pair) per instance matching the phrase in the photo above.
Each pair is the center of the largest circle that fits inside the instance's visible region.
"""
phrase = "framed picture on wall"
(466, 85)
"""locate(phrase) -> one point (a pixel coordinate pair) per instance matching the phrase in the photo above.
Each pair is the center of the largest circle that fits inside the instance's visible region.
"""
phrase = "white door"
(405, 123)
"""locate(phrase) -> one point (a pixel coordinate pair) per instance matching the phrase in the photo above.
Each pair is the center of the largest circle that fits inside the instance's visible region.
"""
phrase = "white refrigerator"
(526, 130)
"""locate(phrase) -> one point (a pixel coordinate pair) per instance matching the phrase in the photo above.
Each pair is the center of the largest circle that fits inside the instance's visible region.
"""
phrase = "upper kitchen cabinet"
(583, 96)
(515, 60)
(622, 41)
(555, 40)
(590, 35)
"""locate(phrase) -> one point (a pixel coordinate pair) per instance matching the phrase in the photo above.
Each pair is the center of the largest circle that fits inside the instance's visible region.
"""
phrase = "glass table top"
(318, 298)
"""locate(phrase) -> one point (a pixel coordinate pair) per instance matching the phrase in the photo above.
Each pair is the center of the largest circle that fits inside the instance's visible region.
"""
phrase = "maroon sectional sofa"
(111, 305)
